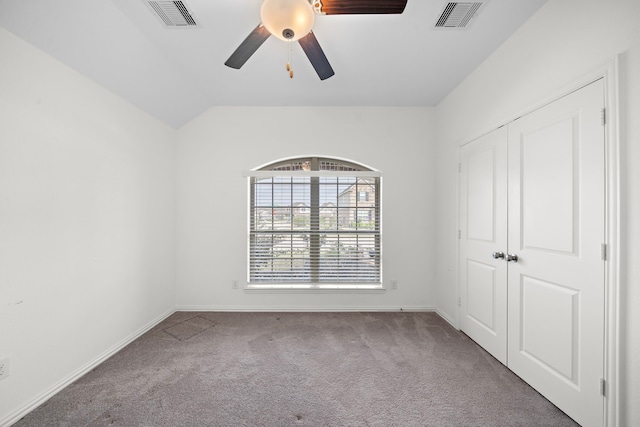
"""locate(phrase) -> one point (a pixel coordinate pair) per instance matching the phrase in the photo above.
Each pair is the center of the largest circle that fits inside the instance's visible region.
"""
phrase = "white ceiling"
(175, 74)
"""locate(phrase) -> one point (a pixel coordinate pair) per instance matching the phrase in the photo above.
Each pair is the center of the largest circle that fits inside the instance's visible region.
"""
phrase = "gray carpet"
(299, 369)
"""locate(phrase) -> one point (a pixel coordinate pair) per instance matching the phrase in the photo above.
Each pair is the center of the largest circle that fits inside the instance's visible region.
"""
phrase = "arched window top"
(315, 164)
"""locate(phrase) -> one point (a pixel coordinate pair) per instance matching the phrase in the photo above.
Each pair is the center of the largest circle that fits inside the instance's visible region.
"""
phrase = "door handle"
(512, 258)
(498, 255)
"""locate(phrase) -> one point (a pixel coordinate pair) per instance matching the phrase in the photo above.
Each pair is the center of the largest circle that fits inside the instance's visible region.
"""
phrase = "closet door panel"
(554, 348)
(556, 228)
(549, 171)
(483, 231)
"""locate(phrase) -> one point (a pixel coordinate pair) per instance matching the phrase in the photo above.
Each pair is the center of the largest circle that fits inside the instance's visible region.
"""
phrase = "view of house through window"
(314, 221)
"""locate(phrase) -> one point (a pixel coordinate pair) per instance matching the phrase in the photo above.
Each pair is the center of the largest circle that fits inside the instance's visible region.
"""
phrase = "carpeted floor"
(299, 369)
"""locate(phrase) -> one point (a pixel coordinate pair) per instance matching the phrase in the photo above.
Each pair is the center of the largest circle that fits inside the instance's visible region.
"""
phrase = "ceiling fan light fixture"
(289, 20)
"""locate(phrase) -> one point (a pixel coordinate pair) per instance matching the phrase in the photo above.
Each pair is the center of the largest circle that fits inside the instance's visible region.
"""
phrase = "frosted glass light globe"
(289, 20)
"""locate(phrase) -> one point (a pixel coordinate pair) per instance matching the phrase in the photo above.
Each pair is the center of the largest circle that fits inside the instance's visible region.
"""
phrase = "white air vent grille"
(458, 15)
(172, 13)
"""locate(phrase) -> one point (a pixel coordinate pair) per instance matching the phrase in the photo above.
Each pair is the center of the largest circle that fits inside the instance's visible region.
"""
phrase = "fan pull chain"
(289, 69)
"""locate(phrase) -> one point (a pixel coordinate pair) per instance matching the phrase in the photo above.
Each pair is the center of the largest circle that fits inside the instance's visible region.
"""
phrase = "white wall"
(87, 218)
(564, 41)
(88, 197)
(216, 148)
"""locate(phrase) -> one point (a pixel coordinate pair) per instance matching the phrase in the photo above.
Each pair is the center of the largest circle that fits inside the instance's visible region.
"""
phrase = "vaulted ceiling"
(177, 73)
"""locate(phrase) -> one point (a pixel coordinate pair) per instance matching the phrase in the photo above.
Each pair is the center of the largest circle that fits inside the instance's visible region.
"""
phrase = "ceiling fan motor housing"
(289, 20)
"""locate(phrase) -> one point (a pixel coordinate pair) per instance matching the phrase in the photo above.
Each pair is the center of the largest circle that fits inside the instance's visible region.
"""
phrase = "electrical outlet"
(4, 368)
(234, 284)
(394, 284)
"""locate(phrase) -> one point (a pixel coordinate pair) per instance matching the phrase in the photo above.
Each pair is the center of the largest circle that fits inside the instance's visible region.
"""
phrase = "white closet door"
(483, 231)
(556, 228)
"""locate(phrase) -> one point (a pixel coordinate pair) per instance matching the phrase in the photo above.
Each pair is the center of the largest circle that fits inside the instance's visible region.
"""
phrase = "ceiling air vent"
(458, 15)
(174, 14)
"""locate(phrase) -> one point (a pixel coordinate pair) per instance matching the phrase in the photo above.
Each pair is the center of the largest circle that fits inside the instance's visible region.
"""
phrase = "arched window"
(314, 221)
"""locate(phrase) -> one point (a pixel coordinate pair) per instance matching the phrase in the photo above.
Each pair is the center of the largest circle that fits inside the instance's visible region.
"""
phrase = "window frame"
(360, 274)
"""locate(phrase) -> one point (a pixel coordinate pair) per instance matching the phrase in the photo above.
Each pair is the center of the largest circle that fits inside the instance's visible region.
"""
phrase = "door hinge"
(603, 116)
(603, 251)
(459, 302)
(459, 234)
(603, 387)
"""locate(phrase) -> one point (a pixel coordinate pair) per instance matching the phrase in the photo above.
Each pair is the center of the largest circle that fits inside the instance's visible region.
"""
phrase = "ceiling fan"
(292, 20)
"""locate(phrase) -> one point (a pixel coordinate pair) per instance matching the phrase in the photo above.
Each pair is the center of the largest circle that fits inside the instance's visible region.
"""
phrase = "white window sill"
(307, 288)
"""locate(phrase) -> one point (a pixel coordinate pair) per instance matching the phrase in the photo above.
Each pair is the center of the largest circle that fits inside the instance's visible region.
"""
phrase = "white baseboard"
(446, 317)
(49, 393)
(301, 309)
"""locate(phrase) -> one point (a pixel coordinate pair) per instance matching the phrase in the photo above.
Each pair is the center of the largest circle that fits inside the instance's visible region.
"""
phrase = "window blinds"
(314, 227)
